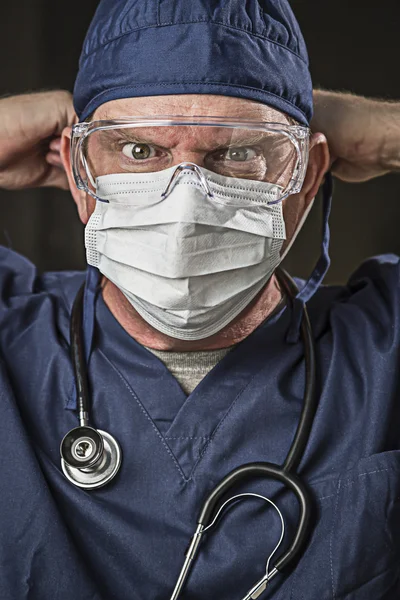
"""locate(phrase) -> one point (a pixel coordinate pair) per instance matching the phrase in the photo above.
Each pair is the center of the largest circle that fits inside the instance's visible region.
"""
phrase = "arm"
(30, 129)
(363, 134)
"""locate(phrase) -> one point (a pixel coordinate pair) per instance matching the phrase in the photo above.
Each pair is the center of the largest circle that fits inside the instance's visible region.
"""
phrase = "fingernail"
(55, 144)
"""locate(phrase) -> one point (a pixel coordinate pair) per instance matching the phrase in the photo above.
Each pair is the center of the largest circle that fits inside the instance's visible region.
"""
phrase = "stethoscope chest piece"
(90, 458)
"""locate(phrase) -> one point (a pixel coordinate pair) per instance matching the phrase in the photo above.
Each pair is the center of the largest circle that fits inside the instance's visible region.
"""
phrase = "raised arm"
(30, 129)
(363, 134)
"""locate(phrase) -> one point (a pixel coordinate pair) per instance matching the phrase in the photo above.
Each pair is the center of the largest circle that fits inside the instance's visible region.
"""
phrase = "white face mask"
(188, 263)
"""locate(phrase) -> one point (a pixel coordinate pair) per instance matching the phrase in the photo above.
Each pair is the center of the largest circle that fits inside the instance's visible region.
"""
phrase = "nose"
(188, 155)
(191, 168)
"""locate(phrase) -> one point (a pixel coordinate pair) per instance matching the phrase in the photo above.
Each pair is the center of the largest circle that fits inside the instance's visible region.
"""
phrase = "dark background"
(352, 45)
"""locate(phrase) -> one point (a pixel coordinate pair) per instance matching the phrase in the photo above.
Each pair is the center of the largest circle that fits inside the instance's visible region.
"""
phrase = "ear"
(80, 197)
(318, 165)
(295, 206)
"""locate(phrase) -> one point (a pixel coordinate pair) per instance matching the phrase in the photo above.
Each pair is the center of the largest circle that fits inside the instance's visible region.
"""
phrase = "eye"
(138, 151)
(240, 154)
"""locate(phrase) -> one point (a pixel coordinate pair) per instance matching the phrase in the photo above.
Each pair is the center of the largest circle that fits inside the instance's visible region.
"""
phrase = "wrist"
(388, 115)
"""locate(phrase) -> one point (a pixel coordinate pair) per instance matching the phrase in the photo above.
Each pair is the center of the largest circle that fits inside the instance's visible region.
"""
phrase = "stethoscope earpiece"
(90, 458)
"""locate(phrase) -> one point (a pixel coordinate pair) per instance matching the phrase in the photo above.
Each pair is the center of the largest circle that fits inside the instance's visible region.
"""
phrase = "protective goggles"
(274, 153)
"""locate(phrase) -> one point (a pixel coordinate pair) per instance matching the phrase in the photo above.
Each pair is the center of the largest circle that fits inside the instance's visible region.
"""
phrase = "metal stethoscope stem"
(284, 473)
(211, 509)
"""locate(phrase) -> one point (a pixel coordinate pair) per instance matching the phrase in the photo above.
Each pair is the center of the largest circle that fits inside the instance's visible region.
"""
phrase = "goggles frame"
(299, 135)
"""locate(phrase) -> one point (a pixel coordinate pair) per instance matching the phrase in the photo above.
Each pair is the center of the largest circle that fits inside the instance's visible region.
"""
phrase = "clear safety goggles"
(273, 153)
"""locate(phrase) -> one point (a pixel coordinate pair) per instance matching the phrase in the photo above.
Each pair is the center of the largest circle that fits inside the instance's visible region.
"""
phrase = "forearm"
(7, 131)
(370, 129)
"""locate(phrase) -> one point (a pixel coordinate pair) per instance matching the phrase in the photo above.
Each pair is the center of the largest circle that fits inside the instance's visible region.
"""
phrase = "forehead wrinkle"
(194, 137)
(150, 135)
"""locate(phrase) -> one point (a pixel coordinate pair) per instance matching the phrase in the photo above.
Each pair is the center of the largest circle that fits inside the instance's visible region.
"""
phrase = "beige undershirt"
(189, 368)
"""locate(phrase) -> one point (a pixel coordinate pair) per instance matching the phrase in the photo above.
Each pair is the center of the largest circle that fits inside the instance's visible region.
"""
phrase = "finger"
(62, 110)
(70, 117)
(54, 159)
(333, 160)
(56, 178)
(55, 144)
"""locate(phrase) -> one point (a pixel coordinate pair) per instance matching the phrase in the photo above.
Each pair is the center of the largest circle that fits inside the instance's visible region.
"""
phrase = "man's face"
(191, 144)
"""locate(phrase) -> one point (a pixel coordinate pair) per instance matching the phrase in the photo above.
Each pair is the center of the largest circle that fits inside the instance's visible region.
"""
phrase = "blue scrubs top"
(127, 541)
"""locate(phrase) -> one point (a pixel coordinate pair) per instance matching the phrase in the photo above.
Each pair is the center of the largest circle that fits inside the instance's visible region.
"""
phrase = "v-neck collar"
(187, 423)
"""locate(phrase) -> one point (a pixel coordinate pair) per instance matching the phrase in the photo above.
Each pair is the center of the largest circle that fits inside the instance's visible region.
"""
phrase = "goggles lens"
(270, 156)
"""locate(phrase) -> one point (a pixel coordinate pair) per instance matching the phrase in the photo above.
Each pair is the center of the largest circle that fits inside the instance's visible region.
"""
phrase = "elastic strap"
(320, 269)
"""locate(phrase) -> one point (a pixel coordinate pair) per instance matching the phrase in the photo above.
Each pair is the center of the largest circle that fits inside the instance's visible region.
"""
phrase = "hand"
(363, 135)
(30, 130)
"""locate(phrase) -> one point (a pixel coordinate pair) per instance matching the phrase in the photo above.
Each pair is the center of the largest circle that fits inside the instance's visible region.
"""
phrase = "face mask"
(188, 262)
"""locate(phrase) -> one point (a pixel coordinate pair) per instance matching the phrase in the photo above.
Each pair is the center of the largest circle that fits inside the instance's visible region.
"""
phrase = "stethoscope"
(90, 458)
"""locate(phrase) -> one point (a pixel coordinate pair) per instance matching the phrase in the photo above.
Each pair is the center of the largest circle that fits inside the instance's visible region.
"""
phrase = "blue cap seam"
(248, 31)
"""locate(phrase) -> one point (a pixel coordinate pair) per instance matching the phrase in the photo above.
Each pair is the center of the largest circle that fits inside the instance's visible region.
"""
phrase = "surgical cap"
(250, 49)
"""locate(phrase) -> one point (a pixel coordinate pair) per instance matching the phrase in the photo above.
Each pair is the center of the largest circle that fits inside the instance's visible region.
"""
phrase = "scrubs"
(126, 541)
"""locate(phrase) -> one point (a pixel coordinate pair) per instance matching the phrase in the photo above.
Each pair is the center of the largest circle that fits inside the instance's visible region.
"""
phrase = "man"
(179, 116)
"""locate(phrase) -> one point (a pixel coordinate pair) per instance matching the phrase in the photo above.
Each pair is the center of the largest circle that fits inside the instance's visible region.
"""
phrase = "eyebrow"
(128, 135)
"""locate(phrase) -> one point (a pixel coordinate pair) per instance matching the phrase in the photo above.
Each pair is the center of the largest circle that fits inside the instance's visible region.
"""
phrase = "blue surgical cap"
(250, 49)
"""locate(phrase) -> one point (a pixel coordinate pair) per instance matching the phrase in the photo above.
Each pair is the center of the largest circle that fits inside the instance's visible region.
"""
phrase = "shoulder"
(20, 277)
(35, 329)
(369, 303)
(374, 284)
(26, 295)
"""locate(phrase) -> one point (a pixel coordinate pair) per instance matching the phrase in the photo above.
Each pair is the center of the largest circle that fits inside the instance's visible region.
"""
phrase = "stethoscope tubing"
(284, 473)
(78, 358)
(310, 403)
(268, 470)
